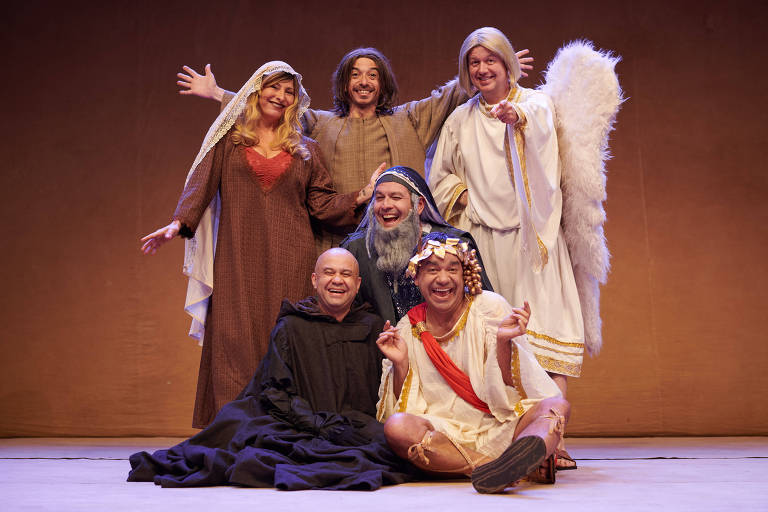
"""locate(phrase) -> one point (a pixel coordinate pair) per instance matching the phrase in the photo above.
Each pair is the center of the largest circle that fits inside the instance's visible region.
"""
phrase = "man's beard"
(394, 246)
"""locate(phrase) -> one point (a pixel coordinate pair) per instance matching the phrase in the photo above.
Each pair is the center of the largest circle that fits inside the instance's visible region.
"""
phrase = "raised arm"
(524, 61)
(204, 86)
(511, 327)
(393, 346)
(429, 114)
(338, 212)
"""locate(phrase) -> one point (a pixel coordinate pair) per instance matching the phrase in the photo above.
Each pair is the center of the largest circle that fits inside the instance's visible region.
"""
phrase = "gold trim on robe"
(516, 379)
(544, 347)
(553, 340)
(405, 391)
(449, 214)
(557, 366)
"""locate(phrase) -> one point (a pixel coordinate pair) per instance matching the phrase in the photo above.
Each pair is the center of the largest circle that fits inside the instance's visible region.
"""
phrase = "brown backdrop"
(96, 145)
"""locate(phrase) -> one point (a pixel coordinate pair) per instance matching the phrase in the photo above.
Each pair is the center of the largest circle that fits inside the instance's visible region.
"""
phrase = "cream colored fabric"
(509, 213)
(425, 392)
(199, 250)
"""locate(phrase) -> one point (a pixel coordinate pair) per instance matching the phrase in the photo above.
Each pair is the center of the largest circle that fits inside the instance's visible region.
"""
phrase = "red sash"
(452, 374)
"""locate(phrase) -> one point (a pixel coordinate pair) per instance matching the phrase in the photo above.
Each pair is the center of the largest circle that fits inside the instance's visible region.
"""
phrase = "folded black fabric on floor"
(305, 421)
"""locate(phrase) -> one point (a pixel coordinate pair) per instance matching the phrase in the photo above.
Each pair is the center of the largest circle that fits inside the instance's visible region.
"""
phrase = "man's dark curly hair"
(387, 82)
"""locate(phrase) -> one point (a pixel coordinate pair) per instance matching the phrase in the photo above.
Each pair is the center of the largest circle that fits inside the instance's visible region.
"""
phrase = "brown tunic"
(265, 252)
(353, 148)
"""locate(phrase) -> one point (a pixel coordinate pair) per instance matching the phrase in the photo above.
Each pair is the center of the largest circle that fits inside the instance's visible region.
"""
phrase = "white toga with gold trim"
(512, 174)
(473, 349)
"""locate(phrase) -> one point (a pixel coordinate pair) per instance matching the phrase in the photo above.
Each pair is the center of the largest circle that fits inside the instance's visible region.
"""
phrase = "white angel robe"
(512, 174)
(473, 349)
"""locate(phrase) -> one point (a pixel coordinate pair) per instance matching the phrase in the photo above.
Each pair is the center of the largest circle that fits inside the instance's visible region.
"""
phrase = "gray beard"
(395, 246)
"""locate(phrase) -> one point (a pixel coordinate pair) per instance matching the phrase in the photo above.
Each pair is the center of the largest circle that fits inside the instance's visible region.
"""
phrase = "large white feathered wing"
(585, 90)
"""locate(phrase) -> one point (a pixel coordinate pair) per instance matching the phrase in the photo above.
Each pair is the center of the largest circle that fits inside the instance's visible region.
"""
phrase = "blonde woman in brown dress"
(245, 211)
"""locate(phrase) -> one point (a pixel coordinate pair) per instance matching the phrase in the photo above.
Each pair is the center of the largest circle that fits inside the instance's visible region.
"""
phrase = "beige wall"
(96, 144)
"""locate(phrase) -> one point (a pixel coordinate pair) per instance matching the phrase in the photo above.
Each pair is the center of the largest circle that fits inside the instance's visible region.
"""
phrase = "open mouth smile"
(442, 292)
(485, 79)
(388, 219)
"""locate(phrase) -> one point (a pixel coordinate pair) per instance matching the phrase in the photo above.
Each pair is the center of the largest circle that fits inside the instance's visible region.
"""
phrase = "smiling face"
(391, 204)
(488, 74)
(275, 97)
(364, 87)
(336, 279)
(441, 283)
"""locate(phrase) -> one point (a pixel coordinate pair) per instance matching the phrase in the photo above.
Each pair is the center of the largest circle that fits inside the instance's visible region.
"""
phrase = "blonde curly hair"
(288, 136)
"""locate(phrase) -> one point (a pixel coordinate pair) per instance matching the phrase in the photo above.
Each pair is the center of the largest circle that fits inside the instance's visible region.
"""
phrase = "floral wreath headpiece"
(460, 249)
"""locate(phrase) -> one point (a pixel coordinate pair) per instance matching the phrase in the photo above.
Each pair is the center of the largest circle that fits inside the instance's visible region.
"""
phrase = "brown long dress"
(265, 252)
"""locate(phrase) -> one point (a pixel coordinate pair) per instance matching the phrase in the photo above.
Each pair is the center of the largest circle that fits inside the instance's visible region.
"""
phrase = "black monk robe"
(305, 421)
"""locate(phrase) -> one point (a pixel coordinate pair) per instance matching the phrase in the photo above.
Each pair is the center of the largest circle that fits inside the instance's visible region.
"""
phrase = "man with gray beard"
(394, 246)
(401, 212)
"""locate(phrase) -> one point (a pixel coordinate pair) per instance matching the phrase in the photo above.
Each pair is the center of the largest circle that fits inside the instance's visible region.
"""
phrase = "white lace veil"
(199, 250)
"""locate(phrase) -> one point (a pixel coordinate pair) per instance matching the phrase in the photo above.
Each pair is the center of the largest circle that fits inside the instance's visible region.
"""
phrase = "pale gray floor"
(614, 474)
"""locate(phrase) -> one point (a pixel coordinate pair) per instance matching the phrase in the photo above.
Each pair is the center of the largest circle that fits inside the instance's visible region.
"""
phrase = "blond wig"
(495, 41)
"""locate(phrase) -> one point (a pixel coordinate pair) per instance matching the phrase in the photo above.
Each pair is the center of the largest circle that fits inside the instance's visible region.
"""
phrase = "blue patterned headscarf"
(415, 184)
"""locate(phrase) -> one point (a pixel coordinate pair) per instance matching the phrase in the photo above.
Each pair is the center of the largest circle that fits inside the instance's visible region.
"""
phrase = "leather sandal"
(544, 474)
(564, 461)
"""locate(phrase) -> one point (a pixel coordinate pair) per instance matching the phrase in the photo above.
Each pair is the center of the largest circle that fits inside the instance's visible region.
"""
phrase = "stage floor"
(627, 474)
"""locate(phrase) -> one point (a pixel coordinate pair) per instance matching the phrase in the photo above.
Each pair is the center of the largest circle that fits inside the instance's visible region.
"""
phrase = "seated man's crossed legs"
(537, 435)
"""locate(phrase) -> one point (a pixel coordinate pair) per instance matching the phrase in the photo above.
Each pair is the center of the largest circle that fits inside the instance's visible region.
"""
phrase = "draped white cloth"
(512, 174)
(473, 349)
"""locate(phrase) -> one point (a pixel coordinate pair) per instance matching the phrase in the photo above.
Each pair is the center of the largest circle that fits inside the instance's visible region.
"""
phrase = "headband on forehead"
(392, 175)
(460, 249)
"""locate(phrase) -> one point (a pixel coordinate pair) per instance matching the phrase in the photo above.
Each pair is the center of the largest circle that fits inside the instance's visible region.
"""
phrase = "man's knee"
(559, 404)
(402, 430)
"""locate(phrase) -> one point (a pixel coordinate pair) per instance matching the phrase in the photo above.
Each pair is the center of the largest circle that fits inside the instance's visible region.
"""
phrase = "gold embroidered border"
(519, 409)
(520, 147)
(544, 347)
(553, 340)
(460, 188)
(521, 119)
(460, 324)
(405, 391)
(517, 379)
(421, 327)
(382, 400)
(557, 366)
(514, 93)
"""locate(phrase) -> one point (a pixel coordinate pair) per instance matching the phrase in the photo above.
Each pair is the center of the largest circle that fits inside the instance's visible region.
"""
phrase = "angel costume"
(426, 392)
(512, 174)
(250, 216)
